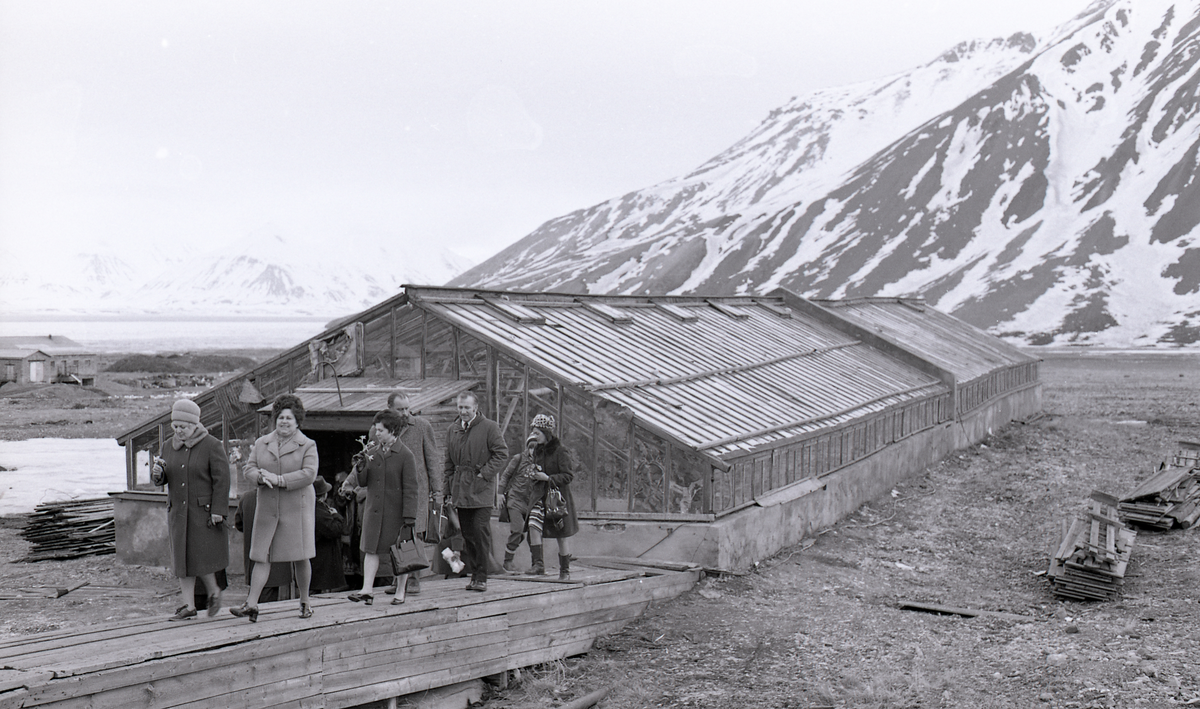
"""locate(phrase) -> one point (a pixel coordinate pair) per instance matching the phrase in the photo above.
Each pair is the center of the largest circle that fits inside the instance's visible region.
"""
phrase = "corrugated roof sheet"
(740, 375)
(946, 341)
(369, 395)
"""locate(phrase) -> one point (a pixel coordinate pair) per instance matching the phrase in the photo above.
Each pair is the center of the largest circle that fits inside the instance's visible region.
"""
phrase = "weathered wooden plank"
(542, 655)
(17, 679)
(413, 683)
(585, 619)
(164, 639)
(178, 666)
(409, 663)
(305, 691)
(267, 676)
(355, 653)
(570, 610)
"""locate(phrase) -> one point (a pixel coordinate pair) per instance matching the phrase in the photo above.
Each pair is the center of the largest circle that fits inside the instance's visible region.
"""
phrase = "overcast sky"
(459, 123)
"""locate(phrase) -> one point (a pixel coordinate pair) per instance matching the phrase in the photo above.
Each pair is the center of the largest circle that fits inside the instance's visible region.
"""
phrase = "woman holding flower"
(388, 471)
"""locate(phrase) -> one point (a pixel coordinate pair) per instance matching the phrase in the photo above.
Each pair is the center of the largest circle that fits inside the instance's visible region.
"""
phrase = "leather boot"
(509, 568)
(564, 568)
(539, 567)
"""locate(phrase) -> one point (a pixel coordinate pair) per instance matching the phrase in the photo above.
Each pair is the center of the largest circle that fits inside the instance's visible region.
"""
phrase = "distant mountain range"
(268, 276)
(1045, 190)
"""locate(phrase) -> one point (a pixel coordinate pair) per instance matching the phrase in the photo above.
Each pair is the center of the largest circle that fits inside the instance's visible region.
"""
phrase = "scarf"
(177, 442)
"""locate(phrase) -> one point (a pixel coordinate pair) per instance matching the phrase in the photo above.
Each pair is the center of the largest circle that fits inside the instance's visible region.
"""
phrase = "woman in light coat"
(283, 464)
(195, 469)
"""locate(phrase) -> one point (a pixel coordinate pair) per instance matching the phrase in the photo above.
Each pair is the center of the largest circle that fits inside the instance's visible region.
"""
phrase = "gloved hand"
(158, 472)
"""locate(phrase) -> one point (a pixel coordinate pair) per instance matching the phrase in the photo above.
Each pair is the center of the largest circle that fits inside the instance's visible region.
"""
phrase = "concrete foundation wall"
(142, 535)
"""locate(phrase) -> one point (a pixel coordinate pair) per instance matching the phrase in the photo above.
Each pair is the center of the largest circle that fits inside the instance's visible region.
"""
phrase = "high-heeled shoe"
(246, 611)
(214, 604)
(305, 610)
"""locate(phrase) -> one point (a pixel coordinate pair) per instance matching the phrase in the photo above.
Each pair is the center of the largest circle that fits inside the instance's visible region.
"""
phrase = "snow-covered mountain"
(264, 274)
(1044, 190)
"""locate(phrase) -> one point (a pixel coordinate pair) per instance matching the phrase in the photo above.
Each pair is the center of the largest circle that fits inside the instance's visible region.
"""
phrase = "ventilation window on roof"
(777, 307)
(735, 313)
(608, 312)
(513, 311)
(675, 311)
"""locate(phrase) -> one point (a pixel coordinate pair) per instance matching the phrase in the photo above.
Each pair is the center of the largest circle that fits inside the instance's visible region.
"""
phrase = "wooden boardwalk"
(347, 654)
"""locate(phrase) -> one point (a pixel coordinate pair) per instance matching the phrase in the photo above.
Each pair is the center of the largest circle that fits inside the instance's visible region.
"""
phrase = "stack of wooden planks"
(67, 530)
(1092, 554)
(1170, 497)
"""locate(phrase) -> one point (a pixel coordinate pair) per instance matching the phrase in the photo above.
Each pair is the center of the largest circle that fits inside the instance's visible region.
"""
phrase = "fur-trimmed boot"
(539, 566)
(564, 568)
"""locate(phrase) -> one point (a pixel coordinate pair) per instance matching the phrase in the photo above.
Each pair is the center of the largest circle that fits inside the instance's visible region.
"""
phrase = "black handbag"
(408, 555)
(556, 509)
(435, 525)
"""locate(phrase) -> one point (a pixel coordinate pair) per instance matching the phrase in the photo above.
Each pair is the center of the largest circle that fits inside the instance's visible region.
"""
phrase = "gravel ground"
(819, 625)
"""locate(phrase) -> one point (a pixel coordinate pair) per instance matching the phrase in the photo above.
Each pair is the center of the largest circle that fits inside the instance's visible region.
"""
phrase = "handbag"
(408, 555)
(556, 509)
(435, 524)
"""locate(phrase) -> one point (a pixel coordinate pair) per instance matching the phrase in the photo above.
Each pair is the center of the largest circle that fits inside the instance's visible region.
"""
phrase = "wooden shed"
(710, 430)
(50, 359)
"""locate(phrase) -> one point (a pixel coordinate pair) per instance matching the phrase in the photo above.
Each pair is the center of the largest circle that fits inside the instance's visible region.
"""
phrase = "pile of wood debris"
(1170, 497)
(1093, 553)
(67, 530)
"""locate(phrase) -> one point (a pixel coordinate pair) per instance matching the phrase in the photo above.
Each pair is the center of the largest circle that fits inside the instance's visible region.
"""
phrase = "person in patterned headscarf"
(550, 470)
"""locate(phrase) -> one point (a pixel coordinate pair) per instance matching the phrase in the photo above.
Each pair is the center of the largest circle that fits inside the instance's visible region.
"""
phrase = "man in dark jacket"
(417, 434)
(475, 455)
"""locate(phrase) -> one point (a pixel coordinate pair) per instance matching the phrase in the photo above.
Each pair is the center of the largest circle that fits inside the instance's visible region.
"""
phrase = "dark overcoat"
(285, 517)
(197, 480)
(556, 462)
(390, 476)
(475, 455)
(327, 571)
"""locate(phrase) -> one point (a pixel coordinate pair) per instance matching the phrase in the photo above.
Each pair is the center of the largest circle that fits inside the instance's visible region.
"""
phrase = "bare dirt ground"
(819, 625)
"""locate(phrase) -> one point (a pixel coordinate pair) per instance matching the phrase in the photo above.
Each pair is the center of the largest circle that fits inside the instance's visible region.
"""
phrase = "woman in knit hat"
(195, 469)
(551, 471)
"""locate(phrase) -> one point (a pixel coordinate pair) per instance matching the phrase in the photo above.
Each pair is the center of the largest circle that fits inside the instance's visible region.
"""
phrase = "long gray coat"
(285, 518)
(197, 486)
(418, 436)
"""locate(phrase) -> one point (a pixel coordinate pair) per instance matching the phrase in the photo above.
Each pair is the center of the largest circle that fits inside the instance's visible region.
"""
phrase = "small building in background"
(51, 359)
(710, 430)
